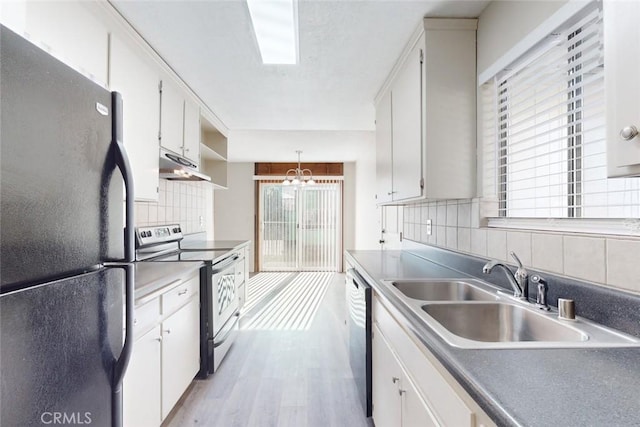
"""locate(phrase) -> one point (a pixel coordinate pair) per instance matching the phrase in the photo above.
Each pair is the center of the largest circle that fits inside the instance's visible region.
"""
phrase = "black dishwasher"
(359, 302)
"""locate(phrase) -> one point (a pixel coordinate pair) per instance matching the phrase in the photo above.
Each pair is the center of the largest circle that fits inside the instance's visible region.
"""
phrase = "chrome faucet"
(518, 281)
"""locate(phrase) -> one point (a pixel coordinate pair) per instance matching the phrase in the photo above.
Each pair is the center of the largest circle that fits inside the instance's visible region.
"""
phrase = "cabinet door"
(180, 353)
(141, 386)
(137, 81)
(385, 383)
(621, 42)
(383, 150)
(172, 117)
(71, 32)
(415, 411)
(406, 118)
(192, 131)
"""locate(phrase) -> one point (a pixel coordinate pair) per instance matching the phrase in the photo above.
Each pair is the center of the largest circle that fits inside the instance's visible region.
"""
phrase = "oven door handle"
(232, 322)
(227, 262)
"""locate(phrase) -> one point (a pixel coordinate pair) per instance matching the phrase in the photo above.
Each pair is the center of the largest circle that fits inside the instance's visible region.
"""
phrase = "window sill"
(617, 227)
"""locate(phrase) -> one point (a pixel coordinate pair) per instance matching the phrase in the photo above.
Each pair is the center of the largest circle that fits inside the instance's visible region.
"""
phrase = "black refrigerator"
(66, 243)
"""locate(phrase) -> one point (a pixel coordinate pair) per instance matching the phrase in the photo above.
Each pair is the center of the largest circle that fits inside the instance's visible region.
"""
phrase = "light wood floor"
(281, 377)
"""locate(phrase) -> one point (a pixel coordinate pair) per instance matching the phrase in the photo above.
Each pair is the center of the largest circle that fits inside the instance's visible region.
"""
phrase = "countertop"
(151, 278)
(189, 244)
(527, 387)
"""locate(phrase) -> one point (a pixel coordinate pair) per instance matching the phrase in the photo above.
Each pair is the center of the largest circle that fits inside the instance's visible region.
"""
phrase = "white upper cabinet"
(406, 113)
(179, 122)
(622, 87)
(383, 150)
(430, 96)
(70, 31)
(171, 117)
(137, 81)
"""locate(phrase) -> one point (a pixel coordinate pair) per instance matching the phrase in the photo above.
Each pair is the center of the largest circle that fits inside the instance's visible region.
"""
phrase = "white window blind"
(544, 132)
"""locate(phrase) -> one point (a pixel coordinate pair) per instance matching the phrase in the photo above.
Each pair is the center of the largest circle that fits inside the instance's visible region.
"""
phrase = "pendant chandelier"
(298, 175)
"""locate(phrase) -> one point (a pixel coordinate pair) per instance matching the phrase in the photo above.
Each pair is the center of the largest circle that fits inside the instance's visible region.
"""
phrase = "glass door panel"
(300, 226)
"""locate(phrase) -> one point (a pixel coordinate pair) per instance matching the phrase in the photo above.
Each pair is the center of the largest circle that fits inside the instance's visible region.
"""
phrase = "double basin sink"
(470, 313)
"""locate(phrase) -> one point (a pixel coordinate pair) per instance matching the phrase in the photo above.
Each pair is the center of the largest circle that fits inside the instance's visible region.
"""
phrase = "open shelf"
(213, 154)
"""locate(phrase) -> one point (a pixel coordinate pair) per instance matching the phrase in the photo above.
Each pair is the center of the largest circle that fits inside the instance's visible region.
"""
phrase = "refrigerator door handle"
(122, 161)
(125, 355)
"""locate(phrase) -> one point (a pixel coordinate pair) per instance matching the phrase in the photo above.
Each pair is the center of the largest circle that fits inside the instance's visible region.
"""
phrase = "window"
(544, 135)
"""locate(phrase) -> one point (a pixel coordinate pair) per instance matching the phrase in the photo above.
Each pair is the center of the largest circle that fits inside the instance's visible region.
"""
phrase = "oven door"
(224, 297)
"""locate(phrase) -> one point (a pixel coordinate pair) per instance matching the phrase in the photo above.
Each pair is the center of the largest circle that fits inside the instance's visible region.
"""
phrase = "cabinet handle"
(629, 132)
(159, 339)
(186, 150)
(395, 379)
(401, 392)
(182, 292)
(167, 331)
(391, 192)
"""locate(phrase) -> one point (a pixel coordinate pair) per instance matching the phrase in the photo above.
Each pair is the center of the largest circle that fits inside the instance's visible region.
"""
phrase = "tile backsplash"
(180, 202)
(459, 226)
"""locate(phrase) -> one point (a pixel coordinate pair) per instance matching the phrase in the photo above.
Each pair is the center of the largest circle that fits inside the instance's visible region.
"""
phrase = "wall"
(180, 202)
(349, 206)
(234, 215)
(458, 224)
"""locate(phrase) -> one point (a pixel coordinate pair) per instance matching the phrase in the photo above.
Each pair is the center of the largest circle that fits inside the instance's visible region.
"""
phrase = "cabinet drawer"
(146, 317)
(180, 295)
(443, 400)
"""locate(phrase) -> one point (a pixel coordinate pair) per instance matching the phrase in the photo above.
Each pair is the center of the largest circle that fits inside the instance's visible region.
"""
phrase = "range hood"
(177, 168)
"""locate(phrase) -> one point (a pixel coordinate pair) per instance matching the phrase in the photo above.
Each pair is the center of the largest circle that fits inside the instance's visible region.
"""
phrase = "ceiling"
(347, 48)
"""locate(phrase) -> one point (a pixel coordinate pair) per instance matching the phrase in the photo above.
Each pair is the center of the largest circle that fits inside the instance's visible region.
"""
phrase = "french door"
(300, 226)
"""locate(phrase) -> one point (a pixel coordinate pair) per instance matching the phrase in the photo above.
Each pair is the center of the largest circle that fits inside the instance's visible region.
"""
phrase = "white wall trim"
(618, 227)
(534, 37)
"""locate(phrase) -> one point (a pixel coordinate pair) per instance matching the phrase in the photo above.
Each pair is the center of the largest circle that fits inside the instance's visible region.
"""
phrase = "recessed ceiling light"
(275, 23)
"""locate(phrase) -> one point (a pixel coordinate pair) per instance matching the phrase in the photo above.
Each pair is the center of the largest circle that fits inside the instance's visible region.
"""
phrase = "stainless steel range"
(219, 309)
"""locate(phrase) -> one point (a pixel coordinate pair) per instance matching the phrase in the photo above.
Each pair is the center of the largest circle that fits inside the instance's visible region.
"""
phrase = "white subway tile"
(519, 243)
(441, 236)
(153, 213)
(433, 213)
(475, 213)
(423, 234)
(452, 237)
(142, 214)
(452, 215)
(464, 215)
(497, 244)
(546, 252)
(464, 239)
(162, 219)
(479, 241)
(584, 258)
(441, 217)
(623, 268)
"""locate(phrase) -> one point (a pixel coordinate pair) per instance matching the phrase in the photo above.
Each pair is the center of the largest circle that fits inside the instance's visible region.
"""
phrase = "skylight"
(275, 23)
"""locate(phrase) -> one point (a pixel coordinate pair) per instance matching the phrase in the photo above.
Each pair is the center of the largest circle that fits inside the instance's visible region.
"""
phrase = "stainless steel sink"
(500, 322)
(443, 290)
(470, 313)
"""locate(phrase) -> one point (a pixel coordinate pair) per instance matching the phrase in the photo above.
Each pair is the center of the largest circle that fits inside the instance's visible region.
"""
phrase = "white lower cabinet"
(396, 401)
(180, 353)
(410, 387)
(142, 382)
(166, 354)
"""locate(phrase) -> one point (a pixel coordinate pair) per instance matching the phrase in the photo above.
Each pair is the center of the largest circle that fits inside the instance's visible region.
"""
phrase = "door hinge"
(421, 56)
(422, 183)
